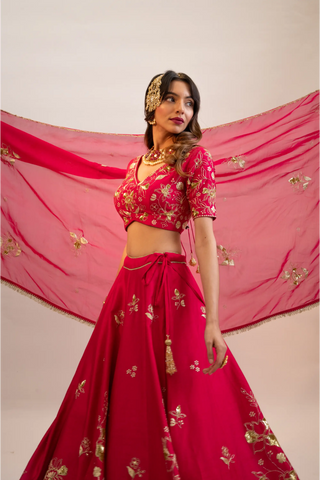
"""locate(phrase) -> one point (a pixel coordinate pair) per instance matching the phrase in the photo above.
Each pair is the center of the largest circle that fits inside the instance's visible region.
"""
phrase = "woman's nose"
(180, 106)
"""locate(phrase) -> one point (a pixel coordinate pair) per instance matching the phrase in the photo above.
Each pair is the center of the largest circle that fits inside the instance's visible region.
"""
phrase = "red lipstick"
(177, 120)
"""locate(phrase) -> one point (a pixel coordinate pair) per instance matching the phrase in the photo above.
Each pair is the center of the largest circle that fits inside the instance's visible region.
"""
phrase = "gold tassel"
(171, 367)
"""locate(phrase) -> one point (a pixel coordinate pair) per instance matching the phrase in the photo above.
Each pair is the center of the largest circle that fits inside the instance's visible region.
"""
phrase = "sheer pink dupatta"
(62, 239)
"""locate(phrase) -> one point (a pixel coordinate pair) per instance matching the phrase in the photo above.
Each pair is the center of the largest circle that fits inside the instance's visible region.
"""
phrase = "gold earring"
(152, 122)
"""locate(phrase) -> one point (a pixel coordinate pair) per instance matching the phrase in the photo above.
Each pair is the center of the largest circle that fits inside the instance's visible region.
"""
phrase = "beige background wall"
(86, 65)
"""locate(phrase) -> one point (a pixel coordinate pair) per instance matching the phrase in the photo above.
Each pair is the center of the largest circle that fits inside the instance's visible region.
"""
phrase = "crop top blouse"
(165, 199)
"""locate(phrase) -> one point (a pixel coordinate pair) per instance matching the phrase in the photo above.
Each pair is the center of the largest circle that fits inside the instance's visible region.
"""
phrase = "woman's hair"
(184, 141)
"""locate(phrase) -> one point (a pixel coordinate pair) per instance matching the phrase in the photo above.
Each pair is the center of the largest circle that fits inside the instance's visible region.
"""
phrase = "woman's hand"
(214, 340)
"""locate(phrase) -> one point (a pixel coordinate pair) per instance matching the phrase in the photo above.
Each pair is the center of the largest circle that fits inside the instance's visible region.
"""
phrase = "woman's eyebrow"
(176, 95)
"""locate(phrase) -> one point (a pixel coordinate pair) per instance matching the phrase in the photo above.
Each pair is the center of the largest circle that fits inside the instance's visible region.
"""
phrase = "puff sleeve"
(201, 185)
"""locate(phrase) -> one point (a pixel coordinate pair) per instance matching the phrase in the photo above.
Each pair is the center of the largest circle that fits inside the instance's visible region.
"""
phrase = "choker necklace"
(153, 157)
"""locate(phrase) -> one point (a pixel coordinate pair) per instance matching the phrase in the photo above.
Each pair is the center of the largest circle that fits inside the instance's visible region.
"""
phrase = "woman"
(143, 402)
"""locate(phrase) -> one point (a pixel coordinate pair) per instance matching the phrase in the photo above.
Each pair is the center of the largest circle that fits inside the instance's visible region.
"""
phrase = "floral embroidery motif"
(225, 256)
(9, 246)
(96, 472)
(119, 317)
(85, 447)
(170, 458)
(80, 388)
(300, 182)
(281, 458)
(178, 298)
(100, 448)
(203, 310)
(237, 162)
(8, 154)
(132, 371)
(134, 468)
(295, 276)
(260, 436)
(195, 366)
(227, 458)
(77, 242)
(165, 198)
(179, 416)
(134, 304)
(56, 470)
(150, 314)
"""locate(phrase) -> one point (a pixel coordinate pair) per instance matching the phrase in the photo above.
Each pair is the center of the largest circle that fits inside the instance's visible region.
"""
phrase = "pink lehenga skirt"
(125, 417)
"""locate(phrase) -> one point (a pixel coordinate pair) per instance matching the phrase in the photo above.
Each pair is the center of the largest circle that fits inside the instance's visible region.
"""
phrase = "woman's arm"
(124, 254)
(206, 251)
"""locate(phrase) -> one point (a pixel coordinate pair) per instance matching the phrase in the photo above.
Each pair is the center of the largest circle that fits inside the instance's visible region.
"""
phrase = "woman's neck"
(162, 139)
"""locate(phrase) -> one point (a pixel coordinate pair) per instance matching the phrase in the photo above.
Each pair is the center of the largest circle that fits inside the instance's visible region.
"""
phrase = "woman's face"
(176, 109)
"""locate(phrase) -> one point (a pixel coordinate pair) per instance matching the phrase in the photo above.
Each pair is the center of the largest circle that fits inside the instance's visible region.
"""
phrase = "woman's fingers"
(220, 356)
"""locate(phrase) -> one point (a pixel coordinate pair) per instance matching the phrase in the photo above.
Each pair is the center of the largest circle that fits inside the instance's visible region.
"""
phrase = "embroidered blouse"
(165, 199)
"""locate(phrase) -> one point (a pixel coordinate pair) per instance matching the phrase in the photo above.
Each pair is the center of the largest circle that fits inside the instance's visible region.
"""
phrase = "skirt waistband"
(133, 263)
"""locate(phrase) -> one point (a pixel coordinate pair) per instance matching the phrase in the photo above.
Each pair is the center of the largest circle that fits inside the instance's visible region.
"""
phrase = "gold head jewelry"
(153, 99)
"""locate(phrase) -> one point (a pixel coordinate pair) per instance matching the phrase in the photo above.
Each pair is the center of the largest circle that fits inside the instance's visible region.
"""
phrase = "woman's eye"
(189, 104)
(170, 99)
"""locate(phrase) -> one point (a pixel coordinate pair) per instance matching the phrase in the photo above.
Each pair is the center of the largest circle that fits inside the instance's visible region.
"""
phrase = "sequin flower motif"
(134, 469)
(227, 458)
(78, 242)
(300, 182)
(295, 275)
(225, 256)
(238, 162)
(8, 154)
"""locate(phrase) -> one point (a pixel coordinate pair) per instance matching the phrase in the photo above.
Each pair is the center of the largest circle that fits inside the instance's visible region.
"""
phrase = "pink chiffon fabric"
(124, 417)
(62, 238)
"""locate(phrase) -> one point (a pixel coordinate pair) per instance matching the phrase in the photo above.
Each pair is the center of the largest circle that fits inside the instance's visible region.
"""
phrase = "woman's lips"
(177, 120)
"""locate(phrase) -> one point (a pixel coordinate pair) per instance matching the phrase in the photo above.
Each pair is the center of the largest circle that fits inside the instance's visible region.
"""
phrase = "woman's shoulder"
(133, 162)
(197, 156)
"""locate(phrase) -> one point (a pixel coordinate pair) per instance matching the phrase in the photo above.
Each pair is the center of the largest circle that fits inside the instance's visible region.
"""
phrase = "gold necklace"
(153, 157)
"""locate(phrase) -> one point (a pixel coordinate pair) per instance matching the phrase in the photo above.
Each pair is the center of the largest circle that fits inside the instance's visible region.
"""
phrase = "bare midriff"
(143, 240)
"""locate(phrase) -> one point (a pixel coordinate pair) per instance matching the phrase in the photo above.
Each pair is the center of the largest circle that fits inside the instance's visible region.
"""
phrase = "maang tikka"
(153, 99)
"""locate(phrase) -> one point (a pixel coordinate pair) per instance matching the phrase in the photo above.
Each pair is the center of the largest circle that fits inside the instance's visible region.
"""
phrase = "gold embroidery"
(195, 366)
(300, 182)
(170, 458)
(150, 313)
(97, 472)
(80, 388)
(281, 457)
(227, 458)
(177, 413)
(203, 310)
(119, 317)
(225, 256)
(78, 242)
(133, 305)
(260, 436)
(134, 468)
(178, 297)
(296, 275)
(9, 246)
(85, 447)
(237, 162)
(132, 371)
(56, 470)
(8, 154)
(100, 444)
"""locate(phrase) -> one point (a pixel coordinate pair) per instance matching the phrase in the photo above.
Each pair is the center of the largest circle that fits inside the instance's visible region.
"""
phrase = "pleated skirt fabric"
(125, 417)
